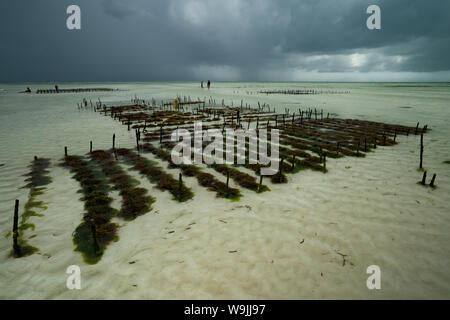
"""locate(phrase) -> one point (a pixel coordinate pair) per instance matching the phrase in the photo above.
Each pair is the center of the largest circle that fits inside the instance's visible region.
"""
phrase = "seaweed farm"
(165, 195)
(307, 140)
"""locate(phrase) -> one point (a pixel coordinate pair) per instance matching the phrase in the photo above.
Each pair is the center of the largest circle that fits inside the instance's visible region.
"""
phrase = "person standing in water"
(209, 84)
(201, 85)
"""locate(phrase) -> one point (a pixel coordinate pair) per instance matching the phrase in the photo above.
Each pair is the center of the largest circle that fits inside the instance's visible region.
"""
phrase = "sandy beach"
(311, 238)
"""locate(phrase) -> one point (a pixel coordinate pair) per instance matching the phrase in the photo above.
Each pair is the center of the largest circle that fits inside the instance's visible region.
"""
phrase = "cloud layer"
(289, 40)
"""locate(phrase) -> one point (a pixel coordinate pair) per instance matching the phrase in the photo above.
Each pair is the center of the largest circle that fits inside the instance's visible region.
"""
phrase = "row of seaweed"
(96, 231)
(37, 181)
(156, 174)
(135, 201)
(205, 179)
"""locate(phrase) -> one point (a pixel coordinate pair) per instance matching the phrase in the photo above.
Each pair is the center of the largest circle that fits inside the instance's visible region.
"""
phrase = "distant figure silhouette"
(56, 87)
(26, 91)
(209, 84)
(201, 84)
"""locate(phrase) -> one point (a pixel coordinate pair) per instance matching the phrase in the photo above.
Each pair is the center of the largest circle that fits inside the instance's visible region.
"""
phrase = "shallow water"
(372, 206)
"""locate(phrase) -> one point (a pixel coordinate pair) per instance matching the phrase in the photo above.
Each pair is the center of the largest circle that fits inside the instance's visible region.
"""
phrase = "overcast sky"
(230, 40)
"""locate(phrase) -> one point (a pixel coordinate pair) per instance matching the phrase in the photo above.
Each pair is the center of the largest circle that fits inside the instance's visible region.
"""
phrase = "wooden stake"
(424, 178)
(260, 182)
(432, 180)
(137, 140)
(280, 170)
(114, 141)
(94, 238)
(16, 247)
(421, 151)
(65, 151)
(90, 149)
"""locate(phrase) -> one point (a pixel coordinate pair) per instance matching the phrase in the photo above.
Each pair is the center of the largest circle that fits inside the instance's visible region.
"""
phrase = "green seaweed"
(96, 231)
(37, 180)
(204, 179)
(155, 174)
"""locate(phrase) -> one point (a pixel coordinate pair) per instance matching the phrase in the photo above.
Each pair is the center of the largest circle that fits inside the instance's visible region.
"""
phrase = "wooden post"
(180, 182)
(160, 134)
(424, 178)
(114, 141)
(293, 162)
(421, 151)
(65, 151)
(417, 128)
(137, 140)
(432, 180)
(94, 237)
(90, 149)
(35, 158)
(395, 134)
(16, 247)
(280, 171)
(228, 178)
(260, 181)
(129, 122)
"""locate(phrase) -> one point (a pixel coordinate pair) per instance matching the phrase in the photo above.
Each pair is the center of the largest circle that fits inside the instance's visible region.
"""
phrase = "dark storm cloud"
(143, 40)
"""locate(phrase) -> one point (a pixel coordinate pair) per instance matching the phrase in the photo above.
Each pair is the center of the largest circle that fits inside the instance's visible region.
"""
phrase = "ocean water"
(371, 207)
